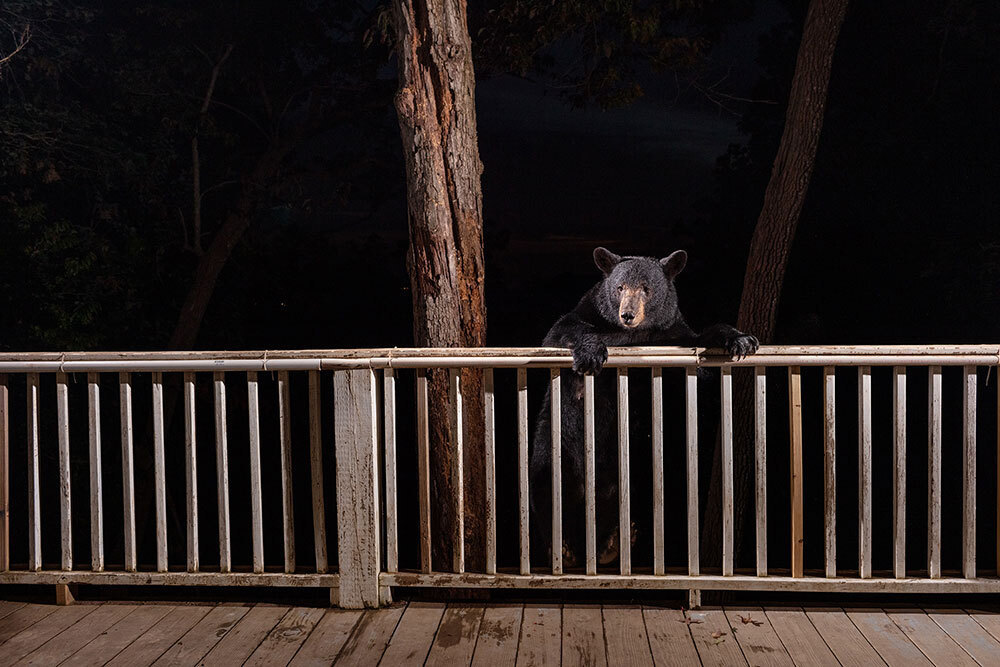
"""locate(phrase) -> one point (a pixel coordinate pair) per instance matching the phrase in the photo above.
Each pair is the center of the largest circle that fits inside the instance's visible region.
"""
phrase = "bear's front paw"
(742, 345)
(589, 358)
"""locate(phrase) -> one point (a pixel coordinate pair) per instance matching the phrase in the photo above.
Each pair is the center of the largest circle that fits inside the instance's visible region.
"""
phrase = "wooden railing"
(382, 453)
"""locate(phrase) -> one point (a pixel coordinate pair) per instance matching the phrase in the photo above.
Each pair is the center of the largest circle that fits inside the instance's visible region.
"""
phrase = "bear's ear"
(605, 260)
(674, 264)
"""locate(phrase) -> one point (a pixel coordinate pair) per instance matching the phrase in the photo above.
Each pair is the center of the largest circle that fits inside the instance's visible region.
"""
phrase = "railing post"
(4, 477)
(357, 487)
(795, 431)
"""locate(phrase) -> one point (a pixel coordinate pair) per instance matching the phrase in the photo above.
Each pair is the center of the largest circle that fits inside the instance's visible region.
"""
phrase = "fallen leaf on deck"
(749, 619)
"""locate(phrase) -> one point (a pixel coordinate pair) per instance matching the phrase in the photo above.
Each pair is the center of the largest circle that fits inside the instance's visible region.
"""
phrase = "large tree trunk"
(437, 120)
(770, 247)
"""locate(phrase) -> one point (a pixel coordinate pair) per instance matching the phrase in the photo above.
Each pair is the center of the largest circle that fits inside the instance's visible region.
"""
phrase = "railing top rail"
(277, 360)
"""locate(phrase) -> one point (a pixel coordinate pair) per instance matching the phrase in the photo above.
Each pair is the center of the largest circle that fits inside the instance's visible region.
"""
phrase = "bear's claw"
(739, 347)
(589, 358)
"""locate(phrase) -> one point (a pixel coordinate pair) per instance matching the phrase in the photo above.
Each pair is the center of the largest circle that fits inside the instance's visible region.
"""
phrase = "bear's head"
(638, 292)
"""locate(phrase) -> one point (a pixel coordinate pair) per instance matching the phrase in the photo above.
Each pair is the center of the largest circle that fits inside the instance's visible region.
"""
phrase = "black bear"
(634, 304)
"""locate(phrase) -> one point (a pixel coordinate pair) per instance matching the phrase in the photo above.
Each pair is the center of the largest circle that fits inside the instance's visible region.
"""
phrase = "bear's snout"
(632, 307)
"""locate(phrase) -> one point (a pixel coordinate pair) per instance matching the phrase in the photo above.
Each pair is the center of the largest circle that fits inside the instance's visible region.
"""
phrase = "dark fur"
(588, 330)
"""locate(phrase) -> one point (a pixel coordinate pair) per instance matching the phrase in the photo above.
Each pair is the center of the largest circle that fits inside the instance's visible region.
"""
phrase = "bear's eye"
(645, 289)
(621, 288)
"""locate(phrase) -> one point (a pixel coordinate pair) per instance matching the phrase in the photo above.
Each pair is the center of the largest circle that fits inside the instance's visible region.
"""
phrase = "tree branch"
(20, 41)
(195, 156)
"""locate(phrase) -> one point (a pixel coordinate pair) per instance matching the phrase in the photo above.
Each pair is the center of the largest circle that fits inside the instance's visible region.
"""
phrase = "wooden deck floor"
(433, 633)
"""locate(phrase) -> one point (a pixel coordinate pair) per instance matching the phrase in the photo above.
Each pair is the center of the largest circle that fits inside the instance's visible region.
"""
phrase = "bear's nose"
(627, 317)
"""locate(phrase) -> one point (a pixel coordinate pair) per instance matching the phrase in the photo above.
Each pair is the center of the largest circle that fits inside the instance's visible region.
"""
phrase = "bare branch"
(20, 41)
(195, 157)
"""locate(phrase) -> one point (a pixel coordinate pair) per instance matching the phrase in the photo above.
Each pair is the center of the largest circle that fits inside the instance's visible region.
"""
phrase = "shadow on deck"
(418, 633)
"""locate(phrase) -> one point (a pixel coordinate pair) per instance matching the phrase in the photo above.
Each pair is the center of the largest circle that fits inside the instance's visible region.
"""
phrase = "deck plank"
(669, 638)
(281, 644)
(327, 638)
(243, 639)
(843, 637)
(625, 633)
(78, 635)
(758, 640)
(151, 644)
(989, 620)
(968, 634)
(26, 616)
(203, 636)
(499, 633)
(412, 640)
(108, 644)
(44, 629)
(370, 637)
(456, 636)
(541, 636)
(800, 638)
(930, 638)
(886, 637)
(583, 636)
(714, 638)
(8, 607)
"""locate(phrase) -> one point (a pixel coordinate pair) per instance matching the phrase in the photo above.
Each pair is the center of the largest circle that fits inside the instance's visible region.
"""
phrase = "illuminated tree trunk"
(435, 104)
(770, 247)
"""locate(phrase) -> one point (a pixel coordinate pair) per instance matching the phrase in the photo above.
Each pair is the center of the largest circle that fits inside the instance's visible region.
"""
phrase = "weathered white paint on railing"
(389, 449)
(256, 502)
(691, 412)
(934, 473)
(285, 445)
(865, 471)
(658, 493)
(159, 474)
(489, 460)
(356, 394)
(96, 493)
(589, 473)
(191, 472)
(457, 501)
(65, 506)
(222, 471)
(624, 486)
(276, 360)
(316, 470)
(795, 461)
(522, 468)
(4, 474)
(555, 419)
(34, 498)
(969, 472)
(830, 470)
(128, 469)
(899, 469)
(760, 465)
(424, 470)
(356, 441)
(727, 471)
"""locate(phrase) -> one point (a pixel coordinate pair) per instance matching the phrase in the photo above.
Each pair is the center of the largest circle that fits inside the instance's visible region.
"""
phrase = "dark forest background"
(898, 241)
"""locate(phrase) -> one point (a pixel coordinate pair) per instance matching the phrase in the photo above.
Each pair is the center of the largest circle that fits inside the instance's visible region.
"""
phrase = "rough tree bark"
(769, 250)
(435, 104)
